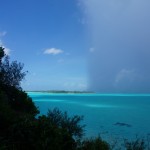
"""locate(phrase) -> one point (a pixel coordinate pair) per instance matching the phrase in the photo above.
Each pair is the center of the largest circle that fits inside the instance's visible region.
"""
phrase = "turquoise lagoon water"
(108, 115)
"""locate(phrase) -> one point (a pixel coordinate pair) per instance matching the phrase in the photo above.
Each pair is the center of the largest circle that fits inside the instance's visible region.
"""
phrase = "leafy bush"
(71, 124)
(138, 144)
(94, 144)
(20, 101)
(11, 73)
(50, 136)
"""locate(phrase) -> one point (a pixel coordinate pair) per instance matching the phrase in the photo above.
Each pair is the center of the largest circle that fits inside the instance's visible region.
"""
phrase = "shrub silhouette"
(62, 120)
(137, 144)
(95, 144)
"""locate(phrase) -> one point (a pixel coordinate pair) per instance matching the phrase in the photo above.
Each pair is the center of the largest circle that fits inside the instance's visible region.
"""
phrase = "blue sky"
(96, 45)
(49, 37)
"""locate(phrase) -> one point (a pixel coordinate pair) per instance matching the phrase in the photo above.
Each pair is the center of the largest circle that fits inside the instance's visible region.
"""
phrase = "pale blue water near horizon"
(110, 115)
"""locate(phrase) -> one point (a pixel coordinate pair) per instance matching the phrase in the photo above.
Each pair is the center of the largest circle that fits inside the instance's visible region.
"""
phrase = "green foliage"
(71, 124)
(94, 144)
(50, 136)
(20, 101)
(7, 115)
(20, 134)
(138, 144)
(39, 133)
(2, 53)
(11, 73)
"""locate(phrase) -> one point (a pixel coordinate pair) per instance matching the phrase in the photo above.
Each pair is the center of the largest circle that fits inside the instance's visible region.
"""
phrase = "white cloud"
(7, 51)
(3, 33)
(53, 51)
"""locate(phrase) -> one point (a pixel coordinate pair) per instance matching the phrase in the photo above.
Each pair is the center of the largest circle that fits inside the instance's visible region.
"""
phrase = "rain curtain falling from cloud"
(120, 36)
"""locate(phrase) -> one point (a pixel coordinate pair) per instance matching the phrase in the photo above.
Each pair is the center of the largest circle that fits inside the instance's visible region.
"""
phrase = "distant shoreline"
(67, 92)
(89, 93)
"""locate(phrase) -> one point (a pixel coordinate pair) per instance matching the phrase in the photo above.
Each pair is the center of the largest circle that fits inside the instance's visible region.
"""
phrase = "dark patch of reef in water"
(122, 124)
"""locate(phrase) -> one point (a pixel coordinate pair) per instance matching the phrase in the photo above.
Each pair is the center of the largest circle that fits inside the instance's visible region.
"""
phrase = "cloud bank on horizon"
(120, 35)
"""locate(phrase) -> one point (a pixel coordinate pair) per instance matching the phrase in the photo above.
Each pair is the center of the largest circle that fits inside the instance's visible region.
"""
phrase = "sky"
(120, 32)
(49, 37)
(95, 45)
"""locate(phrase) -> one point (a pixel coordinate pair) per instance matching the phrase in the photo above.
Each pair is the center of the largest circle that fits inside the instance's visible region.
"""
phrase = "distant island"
(63, 91)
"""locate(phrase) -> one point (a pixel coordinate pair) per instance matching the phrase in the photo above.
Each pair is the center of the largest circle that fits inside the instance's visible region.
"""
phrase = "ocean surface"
(108, 115)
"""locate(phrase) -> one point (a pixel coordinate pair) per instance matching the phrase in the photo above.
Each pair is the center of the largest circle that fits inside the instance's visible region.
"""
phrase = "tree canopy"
(11, 72)
(2, 53)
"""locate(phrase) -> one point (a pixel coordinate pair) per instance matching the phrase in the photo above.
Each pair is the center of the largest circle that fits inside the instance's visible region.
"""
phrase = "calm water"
(110, 115)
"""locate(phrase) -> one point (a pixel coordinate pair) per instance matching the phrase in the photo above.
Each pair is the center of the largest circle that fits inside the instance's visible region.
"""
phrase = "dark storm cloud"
(120, 34)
